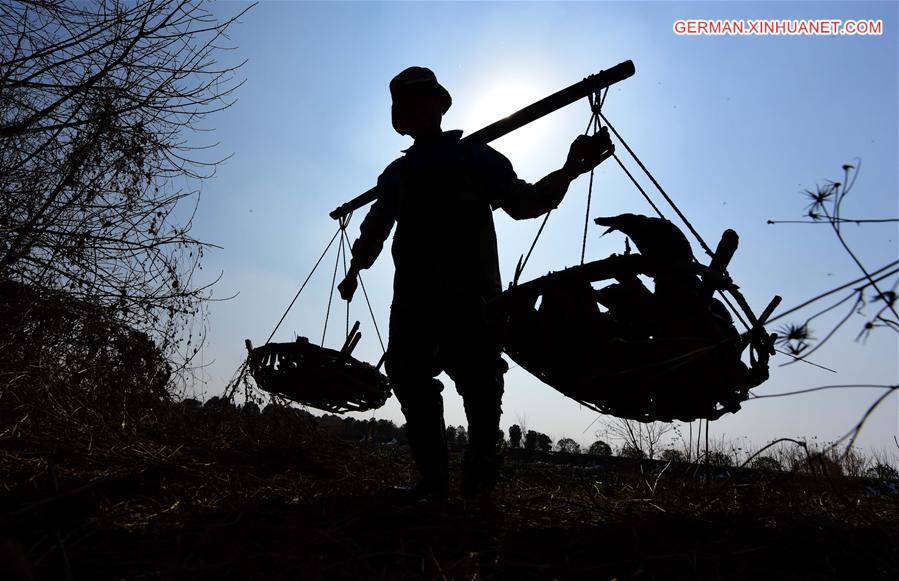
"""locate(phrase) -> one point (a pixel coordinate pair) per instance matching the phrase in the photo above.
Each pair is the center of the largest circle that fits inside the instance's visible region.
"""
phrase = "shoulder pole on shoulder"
(534, 111)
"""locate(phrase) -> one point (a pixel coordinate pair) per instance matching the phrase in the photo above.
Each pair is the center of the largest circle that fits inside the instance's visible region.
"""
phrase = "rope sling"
(660, 355)
(668, 354)
(313, 375)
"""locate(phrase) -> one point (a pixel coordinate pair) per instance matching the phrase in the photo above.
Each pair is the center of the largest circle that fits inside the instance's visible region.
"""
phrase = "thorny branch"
(825, 207)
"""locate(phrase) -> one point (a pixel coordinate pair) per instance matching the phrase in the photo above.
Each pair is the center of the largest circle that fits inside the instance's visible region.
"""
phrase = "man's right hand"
(587, 152)
(347, 286)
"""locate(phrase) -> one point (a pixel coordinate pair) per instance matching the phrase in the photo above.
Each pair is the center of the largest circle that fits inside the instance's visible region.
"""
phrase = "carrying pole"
(534, 111)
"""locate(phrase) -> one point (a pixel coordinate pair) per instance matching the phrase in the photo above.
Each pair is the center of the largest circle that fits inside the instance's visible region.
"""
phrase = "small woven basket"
(329, 380)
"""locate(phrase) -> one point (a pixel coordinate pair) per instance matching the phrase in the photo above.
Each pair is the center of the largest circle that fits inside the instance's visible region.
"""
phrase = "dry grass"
(201, 494)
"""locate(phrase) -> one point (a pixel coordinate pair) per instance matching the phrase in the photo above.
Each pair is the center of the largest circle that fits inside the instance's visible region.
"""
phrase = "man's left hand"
(587, 152)
(347, 286)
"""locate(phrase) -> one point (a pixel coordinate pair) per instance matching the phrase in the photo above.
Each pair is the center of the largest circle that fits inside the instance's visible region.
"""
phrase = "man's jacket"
(441, 195)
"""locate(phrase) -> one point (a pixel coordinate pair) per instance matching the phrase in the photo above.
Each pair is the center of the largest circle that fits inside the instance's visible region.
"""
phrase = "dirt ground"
(195, 504)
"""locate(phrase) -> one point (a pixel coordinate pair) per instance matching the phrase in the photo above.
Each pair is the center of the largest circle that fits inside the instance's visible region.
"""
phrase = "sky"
(733, 128)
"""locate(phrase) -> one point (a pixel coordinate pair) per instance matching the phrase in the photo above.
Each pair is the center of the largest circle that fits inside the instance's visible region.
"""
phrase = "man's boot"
(426, 432)
(480, 470)
(482, 392)
(429, 451)
(481, 463)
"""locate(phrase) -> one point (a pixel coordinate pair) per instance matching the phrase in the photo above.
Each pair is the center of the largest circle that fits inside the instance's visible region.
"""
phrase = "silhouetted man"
(441, 195)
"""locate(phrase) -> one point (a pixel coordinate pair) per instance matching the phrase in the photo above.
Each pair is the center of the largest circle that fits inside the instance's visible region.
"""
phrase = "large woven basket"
(671, 353)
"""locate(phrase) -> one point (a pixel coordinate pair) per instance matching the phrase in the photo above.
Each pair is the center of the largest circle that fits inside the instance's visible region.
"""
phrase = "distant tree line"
(533, 440)
(386, 432)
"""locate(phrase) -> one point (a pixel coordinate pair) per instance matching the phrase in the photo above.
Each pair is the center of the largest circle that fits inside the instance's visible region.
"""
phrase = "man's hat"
(416, 81)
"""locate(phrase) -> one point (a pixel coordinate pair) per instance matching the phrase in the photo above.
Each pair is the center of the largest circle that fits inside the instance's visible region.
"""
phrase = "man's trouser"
(424, 343)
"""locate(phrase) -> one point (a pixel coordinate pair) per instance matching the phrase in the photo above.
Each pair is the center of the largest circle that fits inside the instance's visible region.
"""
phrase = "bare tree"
(97, 100)
(642, 438)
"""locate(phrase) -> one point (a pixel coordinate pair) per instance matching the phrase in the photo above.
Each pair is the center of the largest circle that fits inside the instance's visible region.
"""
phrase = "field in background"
(200, 492)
